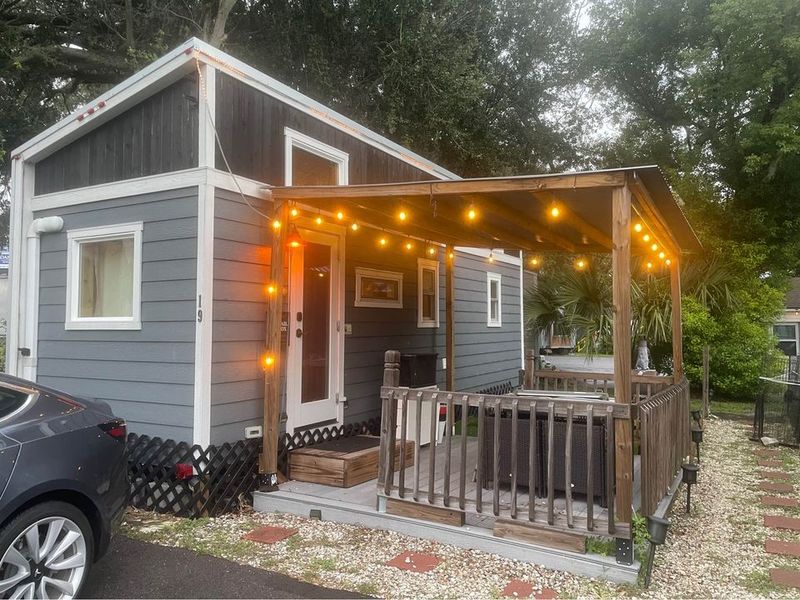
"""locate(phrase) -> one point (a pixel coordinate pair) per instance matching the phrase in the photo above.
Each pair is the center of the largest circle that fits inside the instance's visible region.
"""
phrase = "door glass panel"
(316, 321)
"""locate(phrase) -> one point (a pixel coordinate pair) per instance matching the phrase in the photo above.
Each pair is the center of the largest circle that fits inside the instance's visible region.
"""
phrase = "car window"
(11, 400)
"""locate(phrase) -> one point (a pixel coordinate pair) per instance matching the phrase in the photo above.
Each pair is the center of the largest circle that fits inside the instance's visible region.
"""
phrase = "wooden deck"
(365, 494)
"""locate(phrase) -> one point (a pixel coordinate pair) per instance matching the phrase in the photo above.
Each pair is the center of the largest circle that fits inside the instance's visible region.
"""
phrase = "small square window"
(494, 300)
(104, 277)
(427, 293)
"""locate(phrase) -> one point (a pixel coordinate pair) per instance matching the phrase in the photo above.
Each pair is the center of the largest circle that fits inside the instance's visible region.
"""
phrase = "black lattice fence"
(777, 411)
(189, 481)
(301, 439)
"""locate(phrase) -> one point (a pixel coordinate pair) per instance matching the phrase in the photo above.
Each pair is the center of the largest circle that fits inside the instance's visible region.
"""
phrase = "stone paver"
(780, 501)
(771, 464)
(775, 475)
(269, 534)
(783, 548)
(785, 577)
(781, 488)
(517, 588)
(418, 562)
(780, 522)
(766, 453)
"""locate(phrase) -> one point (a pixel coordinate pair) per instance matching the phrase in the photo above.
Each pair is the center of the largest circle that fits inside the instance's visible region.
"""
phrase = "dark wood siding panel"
(251, 129)
(146, 376)
(158, 135)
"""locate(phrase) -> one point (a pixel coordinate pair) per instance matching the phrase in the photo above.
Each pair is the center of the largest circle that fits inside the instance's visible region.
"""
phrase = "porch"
(566, 439)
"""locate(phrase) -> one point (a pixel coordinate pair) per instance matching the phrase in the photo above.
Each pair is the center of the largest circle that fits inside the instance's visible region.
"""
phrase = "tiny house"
(140, 275)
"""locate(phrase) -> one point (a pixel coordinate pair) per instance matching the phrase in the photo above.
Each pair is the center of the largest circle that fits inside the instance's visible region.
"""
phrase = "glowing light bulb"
(649, 266)
(276, 224)
(555, 212)
(637, 227)
(668, 262)
(534, 262)
(580, 264)
(661, 255)
(294, 212)
(472, 214)
(491, 257)
(340, 216)
(269, 360)
(431, 250)
(654, 247)
(318, 220)
(382, 242)
(402, 215)
(409, 245)
(354, 226)
(271, 289)
(646, 237)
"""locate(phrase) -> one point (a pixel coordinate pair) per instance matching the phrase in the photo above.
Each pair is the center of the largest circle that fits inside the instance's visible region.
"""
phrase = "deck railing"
(643, 386)
(524, 447)
(665, 433)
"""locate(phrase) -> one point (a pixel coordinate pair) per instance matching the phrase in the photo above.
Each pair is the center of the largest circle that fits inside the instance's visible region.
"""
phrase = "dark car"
(63, 488)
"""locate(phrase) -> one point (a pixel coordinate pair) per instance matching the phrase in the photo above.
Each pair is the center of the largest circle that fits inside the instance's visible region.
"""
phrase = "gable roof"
(178, 63)
(793, 295)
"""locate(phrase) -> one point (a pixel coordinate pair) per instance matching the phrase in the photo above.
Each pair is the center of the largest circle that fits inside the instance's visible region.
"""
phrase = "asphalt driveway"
(134, 569)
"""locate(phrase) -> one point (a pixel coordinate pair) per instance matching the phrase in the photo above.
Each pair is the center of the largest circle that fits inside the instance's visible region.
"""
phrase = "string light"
(535, 262)
(340, 216)
(402, 216)
(554, 211)
(661, 255)
(271, 289)
(276, 224)
(491, 256)
(294, 212)
(649, 266)
(472, 213)
(451, 255)
(409, 245)
(654, 247)
(581, 264)
(431, 250)
(646, 237)
(382, 241)
(668, 262)
(318, 220)
(354, 226)
(637, 227)
(269, 361)
(294, 240)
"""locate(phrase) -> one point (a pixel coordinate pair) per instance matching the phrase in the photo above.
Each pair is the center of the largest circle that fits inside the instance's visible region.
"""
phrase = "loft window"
(104, 273)
(311, 162)
(494, 300)
(427, 293)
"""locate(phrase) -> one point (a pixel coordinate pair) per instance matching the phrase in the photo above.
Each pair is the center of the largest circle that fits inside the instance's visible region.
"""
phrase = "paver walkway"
(774, 481)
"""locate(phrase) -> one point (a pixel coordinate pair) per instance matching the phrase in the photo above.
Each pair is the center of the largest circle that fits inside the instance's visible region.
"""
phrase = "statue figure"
(642, 356)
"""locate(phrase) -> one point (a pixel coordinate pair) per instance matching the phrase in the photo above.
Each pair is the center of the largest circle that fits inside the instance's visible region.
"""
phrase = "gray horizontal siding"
(241, 269)
(146, 376)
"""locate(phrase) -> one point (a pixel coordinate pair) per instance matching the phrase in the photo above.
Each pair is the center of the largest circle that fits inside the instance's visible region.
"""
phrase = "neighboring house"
(787, 329)
(140, 265)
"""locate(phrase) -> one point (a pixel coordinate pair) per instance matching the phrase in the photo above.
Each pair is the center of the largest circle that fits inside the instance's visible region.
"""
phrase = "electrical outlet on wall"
(444, 362)
(253, 432)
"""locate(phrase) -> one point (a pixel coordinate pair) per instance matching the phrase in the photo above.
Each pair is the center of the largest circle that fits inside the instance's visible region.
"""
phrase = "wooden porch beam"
(621, 288)
(677, 326)
(450, 345)
(609, 179)
(653, 219)
(273, 364)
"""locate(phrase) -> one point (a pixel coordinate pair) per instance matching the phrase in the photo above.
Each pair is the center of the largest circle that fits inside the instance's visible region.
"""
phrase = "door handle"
(298, 333)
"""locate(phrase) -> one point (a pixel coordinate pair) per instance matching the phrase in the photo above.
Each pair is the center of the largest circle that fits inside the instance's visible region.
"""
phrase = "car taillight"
(116, 429)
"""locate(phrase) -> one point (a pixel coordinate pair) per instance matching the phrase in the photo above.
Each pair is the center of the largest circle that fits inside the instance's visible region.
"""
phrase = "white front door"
(314, 370)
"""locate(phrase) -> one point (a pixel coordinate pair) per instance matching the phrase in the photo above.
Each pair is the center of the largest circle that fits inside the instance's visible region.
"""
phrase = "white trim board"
(294, 139)
(497, 255)
(178, 62)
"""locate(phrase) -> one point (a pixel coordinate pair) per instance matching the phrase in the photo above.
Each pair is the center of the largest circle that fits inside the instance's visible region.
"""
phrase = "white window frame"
(76, 237)
(371, 302)
(423, 264)
(795, 339)
(490, 278)
(295, 139)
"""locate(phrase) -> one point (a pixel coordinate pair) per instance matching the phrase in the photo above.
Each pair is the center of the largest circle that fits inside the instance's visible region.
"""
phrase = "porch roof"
(514, 212)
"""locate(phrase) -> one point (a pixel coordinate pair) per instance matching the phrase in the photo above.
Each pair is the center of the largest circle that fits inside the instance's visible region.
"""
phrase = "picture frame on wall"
(378, 289)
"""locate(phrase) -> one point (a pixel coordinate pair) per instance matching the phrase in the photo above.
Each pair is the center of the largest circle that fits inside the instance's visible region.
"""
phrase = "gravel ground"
(716, 552)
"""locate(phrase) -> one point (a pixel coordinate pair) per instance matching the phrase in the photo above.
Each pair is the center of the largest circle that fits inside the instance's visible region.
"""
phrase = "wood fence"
(665, 441)
(643, 386)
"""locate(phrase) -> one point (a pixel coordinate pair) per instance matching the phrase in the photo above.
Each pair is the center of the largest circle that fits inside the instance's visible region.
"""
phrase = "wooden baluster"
(550, 463)
(514, 441)
(568, 466)
(462, 488)
(432, 453)
(533, 470)
(481, 449)
(401, 483)
(448, 444)
(496, 466)
(417, 445)
(384, 447)
(589, 467)
(391, 425)
(610, 447)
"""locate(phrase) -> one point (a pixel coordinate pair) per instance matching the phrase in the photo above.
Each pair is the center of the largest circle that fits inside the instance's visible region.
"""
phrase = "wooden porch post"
(449, 303)
(621, 283)
(677, 327)
(268, 462)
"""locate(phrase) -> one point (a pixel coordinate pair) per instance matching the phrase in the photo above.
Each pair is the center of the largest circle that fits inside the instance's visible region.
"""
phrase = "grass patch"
(601, 545)
(759, 583)
(367, 589)
(472, 426)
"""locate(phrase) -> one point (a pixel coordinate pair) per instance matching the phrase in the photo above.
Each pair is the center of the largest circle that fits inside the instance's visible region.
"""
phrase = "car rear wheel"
(47, 552)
